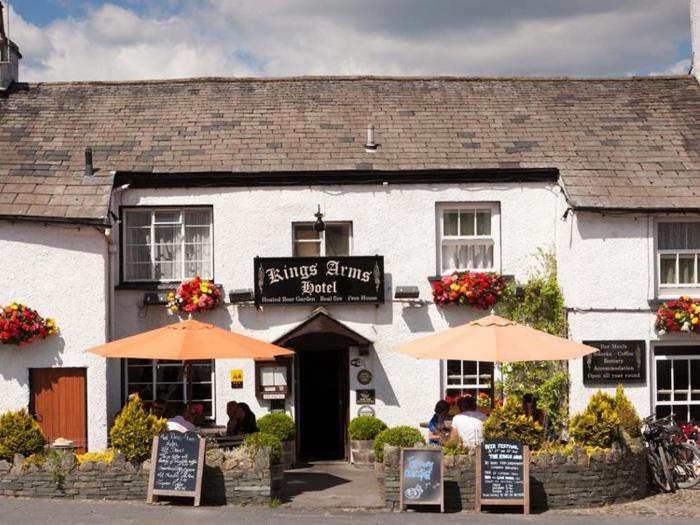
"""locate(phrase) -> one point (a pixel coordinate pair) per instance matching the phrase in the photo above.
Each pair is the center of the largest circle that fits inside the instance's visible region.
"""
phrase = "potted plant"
(363, 430)
(283, 427)
(401, 436)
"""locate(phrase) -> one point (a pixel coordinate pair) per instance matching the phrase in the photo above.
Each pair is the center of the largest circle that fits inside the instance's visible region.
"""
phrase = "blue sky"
(128, 39)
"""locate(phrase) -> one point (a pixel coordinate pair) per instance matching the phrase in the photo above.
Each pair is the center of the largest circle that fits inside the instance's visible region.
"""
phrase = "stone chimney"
(9, 56)
(695, 36)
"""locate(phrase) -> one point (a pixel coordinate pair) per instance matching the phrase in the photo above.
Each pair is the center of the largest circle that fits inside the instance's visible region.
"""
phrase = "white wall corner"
(695, 36)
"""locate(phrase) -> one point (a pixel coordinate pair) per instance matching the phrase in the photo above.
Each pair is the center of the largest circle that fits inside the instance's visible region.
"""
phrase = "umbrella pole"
(188, 378)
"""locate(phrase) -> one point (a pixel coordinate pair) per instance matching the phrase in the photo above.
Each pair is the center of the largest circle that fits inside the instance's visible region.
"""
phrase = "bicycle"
(672, 463)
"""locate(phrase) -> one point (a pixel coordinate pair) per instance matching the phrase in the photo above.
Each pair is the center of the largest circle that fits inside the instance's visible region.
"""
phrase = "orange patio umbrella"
(494, 339)
(190, 340)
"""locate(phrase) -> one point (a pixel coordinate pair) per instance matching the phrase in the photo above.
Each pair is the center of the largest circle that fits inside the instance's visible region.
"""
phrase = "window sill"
(436, 278)
(147, 286)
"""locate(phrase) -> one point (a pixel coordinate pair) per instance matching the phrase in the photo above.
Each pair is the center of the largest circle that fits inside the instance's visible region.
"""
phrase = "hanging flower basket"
(682, 315)
(195, 295)
(20, 325)
(479, 289)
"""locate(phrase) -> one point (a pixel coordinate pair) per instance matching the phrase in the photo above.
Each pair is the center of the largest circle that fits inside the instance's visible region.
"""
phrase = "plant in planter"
(363, 430)
(509, 421)
(20, 325)
(682, 315)
(261, 440)
(479, 289)
(599, 424)
(133, 431)
(20, 434)
(195, 295)
(283, 427)
(401, 436)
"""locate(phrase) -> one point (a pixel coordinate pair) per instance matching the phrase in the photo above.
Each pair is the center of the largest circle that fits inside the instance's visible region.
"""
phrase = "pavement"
(82, 512)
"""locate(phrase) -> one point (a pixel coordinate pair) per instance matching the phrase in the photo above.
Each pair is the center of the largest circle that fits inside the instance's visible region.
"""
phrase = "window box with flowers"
(195, 295)
(20, 325)
(478, 289)
(682, 315)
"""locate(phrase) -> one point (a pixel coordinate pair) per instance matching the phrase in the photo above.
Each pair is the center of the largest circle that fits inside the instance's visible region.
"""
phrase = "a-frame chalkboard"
(177, 465)
(503, 474)
(421, 478)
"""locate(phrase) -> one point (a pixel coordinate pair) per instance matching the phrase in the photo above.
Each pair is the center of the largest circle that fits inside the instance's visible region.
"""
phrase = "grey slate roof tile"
(621, 143)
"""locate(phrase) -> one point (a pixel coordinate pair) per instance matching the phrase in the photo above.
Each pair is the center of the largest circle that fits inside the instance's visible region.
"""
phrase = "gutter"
(97, 223)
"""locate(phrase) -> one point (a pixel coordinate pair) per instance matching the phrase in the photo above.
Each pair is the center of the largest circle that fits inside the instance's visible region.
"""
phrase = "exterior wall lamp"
(319, 225)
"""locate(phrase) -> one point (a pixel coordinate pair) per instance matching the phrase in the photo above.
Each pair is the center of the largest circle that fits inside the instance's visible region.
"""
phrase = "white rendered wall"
(398, 222)
(60, 271)
(608, 272)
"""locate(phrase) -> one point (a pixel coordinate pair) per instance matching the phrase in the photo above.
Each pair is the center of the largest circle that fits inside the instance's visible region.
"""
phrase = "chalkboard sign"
(615, 362)
(421, 477)
(503, 474)
(177, 463)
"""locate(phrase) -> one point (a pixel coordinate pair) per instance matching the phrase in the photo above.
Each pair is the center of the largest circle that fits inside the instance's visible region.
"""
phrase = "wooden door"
(58, 402)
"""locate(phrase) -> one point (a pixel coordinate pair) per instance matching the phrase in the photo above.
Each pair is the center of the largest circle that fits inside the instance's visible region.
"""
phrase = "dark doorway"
(322, 403)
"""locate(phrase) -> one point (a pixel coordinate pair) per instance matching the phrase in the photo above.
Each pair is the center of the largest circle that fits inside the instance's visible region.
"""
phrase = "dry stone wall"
(226, 481)
(556, 480)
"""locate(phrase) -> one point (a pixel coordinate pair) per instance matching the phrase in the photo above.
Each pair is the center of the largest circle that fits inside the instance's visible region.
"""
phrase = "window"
(467, 237)
(468, 377)
(334, 241)
(678, 254)
(167, 244)
(678, 382)
(166, 380)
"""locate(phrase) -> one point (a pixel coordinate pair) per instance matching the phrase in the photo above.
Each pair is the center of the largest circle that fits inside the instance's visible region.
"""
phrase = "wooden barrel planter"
(289, 453)
(362, 453)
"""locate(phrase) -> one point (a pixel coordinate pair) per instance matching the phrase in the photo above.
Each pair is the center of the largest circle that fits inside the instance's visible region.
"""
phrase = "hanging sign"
(319, 280)
(503, 474)
(177, 464)
(615, 362)
(421, 478)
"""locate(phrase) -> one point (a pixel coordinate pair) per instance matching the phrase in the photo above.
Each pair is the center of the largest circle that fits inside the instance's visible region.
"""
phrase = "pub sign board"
(319, 280)
(615, 362)
(503, 474)
(421, 478)
(177, 465)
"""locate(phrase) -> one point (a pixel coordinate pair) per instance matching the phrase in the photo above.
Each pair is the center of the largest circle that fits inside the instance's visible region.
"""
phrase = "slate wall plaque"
(615, 362)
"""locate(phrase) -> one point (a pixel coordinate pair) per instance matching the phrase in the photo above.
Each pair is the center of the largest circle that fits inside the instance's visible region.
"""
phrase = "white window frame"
(493, 239)
(655, 391)
(322, 237)
(671, 290)
(208, 274)
(153, 384)
(479, 386)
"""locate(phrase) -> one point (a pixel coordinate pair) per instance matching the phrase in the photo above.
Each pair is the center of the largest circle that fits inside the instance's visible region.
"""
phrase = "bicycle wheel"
(664, 456)
(656, 470)
(685, 467)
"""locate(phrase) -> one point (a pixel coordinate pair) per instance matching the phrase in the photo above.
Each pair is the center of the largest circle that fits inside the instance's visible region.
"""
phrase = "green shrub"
(20, 434)
(259, 440)
(509, 421)
(281, 425)
(363, 428)
(599, 424)
(455, 447)
(403, 436)
(133, 431)
(629, 419)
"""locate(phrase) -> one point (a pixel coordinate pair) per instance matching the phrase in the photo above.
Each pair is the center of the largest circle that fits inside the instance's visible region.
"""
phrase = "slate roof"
(618, 143)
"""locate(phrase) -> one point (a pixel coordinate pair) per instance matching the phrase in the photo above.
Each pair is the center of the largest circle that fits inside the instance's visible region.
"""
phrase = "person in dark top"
(436, 426)
(248, 423)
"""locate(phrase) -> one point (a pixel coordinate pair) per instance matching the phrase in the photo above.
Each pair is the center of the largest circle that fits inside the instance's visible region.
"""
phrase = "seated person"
(468, 425)
(232, 413)
(159, 407)
(247, 422)
(436, 427)
(177, 420)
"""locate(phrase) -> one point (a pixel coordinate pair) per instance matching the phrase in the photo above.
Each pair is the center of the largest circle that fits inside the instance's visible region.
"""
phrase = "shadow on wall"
(385, 393)
(595, 226)
(455, 315)
(417, 318)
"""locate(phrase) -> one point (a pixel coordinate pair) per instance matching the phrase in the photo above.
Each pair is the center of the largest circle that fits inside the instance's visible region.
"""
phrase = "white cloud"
(682, 67)
(294, 37)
